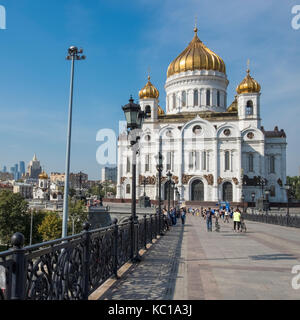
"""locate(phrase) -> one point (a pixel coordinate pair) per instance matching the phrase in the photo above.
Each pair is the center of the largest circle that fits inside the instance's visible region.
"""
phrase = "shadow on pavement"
(154, 278)
(276, 256)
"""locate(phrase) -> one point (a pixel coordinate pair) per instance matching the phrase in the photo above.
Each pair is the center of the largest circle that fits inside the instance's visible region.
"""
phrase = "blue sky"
(121, 40)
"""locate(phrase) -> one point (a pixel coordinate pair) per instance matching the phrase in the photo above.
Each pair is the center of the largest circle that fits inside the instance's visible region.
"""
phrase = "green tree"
(294, 182)
(72, 192)
(51, 227)
(37, 218)
(97, 191)
(77, 215)
(13, 215)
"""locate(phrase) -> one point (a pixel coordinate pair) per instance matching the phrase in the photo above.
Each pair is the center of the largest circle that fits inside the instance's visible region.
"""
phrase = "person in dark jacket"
(183, 215)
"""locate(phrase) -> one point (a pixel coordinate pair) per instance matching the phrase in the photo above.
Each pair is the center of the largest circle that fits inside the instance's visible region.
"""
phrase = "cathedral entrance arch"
(197, 192)
(227, 192)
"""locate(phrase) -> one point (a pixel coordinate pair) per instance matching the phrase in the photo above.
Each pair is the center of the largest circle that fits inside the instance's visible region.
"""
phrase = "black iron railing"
(281, 220)
(73, 267)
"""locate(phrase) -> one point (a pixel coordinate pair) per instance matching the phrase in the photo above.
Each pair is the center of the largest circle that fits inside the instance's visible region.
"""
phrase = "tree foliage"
(51, 227)
(77, 215)
(37, 218)
(294, 182)
(13, 215)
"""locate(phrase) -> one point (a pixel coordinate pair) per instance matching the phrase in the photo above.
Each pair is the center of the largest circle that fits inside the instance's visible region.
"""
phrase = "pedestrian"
(236, 220)
(226, 218)
(243, 224)
(173, 216)
(217, 217)
(183, 215)
(208, 218)
(204, 214)
(166, 220)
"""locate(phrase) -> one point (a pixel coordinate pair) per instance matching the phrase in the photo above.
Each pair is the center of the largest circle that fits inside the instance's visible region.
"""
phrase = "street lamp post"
(31, 227)
(73, 54)
(144, 182)
(243, 200)
(134, 117)
(262, 183)
(169, 175)
(253, 198)
(287, 188)
(267, 192)
(174, 194)
(159, 168)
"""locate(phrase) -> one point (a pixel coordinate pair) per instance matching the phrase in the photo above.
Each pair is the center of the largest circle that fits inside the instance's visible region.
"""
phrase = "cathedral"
(214, 152)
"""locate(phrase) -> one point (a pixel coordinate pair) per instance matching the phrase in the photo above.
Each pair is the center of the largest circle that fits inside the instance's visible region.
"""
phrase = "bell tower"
(149, 100)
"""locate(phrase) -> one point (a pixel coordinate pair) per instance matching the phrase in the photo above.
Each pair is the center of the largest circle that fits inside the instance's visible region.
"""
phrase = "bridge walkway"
(191, 263)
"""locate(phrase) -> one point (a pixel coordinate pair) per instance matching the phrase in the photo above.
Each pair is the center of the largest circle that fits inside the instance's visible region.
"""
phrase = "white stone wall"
(215, 143)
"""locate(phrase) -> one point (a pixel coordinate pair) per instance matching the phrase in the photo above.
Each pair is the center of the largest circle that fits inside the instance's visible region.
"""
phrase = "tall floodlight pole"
(73, 54)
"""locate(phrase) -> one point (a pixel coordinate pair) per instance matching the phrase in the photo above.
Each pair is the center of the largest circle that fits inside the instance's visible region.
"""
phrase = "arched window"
(174, 101)
(218, 98)
(250, 162)
(147, 162)
(148, 111)
(128, 188)
(249, 108)
(183, 98)
(227, 160)
(208, 97)
(272, 164)
(196, 98)
(272, 191)
(128, 165)
(204, 160)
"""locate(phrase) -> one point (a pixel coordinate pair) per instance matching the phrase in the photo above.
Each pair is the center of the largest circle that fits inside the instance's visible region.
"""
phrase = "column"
(190, 98)
(119, 173)
(213, 97)
(239, 187)
(180, 168)
(215, 196)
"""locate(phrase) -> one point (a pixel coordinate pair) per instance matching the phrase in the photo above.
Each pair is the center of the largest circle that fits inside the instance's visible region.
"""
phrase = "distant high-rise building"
(22, 168)
(4, 169)
(16, 177)
(34, 168)
(109, 174)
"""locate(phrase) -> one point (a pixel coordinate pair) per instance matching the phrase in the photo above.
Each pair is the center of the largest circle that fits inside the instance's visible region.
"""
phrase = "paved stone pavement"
(191, 263)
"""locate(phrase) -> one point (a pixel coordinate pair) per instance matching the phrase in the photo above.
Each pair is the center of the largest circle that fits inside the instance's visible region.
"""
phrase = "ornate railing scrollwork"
(74, 267)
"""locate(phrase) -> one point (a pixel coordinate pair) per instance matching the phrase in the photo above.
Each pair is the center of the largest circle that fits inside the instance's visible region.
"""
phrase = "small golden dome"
(160, 111)
(43, 176)
(196, 57)
(248, 85)
(149, 91)
(234, 106)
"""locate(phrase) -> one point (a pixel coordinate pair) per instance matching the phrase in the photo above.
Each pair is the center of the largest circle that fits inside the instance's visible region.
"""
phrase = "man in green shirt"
(237, 220)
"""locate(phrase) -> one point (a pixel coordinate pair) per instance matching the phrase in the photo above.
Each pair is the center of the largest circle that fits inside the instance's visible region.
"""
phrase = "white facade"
(214, 153)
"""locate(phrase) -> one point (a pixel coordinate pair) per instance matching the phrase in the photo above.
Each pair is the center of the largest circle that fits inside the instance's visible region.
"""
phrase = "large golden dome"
(248, 85)
(149, 91)
(196, 57)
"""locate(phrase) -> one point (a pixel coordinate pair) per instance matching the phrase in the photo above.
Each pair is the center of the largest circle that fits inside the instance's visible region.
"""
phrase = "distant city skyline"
(122, 42)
